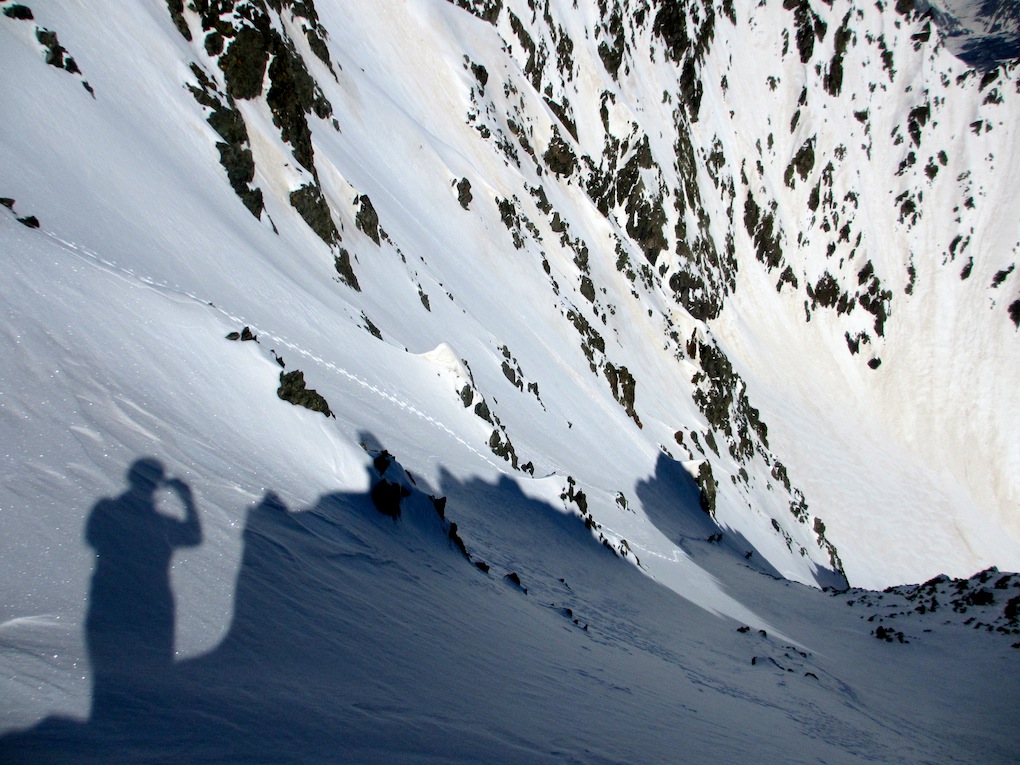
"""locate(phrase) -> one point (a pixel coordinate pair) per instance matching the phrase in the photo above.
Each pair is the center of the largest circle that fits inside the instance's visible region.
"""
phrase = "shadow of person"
(672, 501)
(129, 629)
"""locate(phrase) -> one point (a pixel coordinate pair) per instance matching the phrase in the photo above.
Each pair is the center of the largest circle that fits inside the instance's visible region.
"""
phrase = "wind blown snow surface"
(634, 342)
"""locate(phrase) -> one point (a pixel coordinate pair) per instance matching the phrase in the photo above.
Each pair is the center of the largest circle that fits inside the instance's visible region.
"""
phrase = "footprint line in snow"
(96, 260)
(93, 258)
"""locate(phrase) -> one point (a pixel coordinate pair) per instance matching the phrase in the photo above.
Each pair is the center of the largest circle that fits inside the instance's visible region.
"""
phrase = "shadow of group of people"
(331, 605)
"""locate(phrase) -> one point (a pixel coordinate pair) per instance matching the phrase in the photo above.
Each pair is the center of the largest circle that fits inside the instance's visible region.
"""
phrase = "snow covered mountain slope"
(665, 309)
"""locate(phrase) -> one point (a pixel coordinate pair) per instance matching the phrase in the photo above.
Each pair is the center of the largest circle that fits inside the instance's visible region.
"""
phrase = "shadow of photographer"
(129, 630)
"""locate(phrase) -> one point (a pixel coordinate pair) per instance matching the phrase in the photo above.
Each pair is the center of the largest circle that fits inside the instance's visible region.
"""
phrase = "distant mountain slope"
(839, 153)
(675, 304)
(981, 32)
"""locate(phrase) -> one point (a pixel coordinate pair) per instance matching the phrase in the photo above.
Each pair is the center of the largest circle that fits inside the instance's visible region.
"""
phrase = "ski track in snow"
(111, 267)
(96, 260)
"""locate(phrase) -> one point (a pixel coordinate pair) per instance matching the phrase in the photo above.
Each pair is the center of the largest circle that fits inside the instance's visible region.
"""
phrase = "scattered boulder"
(382, 462)
(292, 388)
(367, 219)
(559, 157)
(888, 635)
(314, 210)
(54, 50)
(244, 63)
(464, 195)
(18, 11)
(708, 485)
(439, 503)
(245, 335)
(342, 264)
(515, 580)
(457, 541)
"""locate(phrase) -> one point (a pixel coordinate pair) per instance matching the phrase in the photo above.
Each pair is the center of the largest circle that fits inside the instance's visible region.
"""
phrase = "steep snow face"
(884, 279)
(818, 186)
(887, 187)
(440, 228)
(720, 287)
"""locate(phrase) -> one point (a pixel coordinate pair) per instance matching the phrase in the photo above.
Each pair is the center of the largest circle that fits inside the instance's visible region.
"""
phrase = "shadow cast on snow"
(672, 501)
(361, 630)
